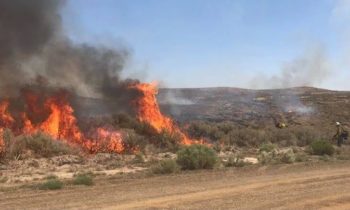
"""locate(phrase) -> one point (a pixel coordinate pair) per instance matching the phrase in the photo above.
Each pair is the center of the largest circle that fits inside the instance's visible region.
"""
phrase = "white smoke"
(310, 69)
(174, 98)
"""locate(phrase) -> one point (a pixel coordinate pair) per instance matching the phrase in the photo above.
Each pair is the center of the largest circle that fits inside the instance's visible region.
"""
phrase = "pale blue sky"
(197, 43)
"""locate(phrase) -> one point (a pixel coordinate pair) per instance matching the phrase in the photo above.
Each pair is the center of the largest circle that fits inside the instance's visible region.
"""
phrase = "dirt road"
(312, 186)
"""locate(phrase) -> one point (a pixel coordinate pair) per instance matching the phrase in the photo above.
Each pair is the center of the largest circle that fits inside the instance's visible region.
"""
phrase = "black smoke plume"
(36, 52)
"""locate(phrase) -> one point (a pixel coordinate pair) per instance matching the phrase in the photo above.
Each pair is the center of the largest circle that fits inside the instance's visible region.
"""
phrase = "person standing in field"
(341, 134)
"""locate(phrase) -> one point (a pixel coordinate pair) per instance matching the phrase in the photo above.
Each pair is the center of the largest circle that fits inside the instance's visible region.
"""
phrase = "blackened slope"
(259, 108)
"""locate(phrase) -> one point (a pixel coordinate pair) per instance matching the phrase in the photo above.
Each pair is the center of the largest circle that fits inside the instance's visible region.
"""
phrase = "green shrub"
(128, 122)
(198, 130)
(267, 147)
(83, 179)
(288, 157)
(266, 157)
(300, 157)
(167, 166)
(232, 134)
(14, 146)
(51, 184)
(196, 157)
(41, 145)
(322, 147)
(132, 141)
(167, 140)
(247, 137)
(206, 130)
(283, 137)
(226, 127)
(139, 158)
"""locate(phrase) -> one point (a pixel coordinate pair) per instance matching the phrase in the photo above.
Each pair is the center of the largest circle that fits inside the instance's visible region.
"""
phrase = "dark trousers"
(340, 141)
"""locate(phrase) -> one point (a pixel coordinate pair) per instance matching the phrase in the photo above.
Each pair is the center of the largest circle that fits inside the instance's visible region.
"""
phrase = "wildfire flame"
(60, 123)
(148, 111)
(6, 119)
(106, 141)
(54, 116)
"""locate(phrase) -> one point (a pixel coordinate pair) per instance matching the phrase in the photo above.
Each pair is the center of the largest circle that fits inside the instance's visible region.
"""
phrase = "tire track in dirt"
(165, 201)
(340, 201)
(309, 188)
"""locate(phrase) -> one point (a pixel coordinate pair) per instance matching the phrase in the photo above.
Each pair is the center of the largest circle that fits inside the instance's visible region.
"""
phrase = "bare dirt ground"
(298, 186)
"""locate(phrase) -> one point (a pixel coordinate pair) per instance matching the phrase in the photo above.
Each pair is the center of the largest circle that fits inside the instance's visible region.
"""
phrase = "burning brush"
(148, 111)
(54, 116)
(34, 46)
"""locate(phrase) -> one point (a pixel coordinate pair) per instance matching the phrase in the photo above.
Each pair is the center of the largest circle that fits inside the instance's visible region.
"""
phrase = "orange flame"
(60, 124)
(6, 120)
(112, 139)
(105, 141)
(148, 111)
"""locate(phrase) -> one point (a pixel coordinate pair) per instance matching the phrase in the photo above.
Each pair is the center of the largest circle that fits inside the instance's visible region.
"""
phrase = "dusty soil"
(298, 186)
(29, 170)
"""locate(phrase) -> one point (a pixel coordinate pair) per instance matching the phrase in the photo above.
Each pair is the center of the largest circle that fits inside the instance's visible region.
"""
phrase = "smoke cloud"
(35, 49)
(26, 27)
(314, 67)
(308, 70)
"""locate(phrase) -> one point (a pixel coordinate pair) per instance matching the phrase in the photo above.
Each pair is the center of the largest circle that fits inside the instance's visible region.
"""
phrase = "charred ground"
(257, 108)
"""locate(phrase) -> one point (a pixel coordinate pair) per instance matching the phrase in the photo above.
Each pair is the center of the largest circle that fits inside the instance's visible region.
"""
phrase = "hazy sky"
(241, 43)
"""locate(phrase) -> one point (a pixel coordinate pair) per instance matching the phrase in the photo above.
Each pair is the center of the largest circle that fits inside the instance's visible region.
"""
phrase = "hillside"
(259, 108)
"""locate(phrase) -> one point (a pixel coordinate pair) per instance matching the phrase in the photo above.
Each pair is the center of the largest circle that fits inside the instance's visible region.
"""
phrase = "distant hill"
(295, 106)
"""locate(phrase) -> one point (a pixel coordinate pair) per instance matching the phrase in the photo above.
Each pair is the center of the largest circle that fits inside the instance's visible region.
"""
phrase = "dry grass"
(41, 145)
(230, 134)
(167, 166)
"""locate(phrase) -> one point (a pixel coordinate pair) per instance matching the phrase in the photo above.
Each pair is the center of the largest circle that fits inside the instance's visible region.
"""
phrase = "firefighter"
(341, 134)
(281, 125)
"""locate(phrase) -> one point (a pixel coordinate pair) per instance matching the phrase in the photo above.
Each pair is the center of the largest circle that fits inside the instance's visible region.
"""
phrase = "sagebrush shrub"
(139, 158)
(196, 157)
(229, 133)
(167, 166)
(41, 144)
(288, 157)
(83, 179)
(167, 140)
(322, 147)
(132, 140)
(51, 184)
(267, 147)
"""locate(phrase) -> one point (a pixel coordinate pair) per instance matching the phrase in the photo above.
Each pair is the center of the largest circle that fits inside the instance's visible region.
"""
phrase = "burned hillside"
(257, 108)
